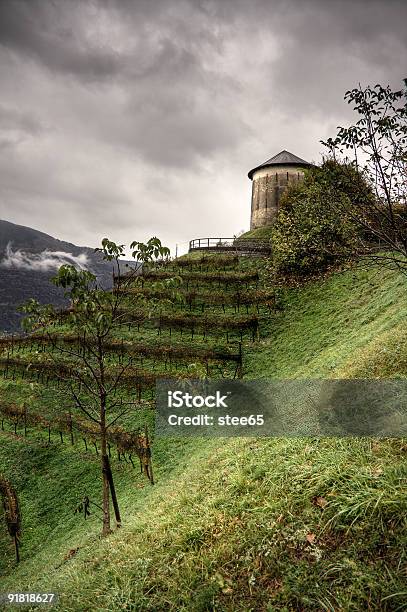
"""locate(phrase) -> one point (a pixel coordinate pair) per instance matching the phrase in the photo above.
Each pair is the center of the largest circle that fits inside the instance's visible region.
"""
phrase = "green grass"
(238, 524)
(261, 232)
(337, 327)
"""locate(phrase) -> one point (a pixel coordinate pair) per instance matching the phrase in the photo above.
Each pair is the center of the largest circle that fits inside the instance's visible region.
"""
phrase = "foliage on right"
(378, 143)
(357, 206)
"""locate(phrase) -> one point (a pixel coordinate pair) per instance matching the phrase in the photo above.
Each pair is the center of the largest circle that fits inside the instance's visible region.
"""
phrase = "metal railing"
(209, 243)
(238, 245)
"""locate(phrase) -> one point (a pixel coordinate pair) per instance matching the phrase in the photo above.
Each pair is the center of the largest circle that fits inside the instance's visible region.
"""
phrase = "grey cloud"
(128, 117)
(328, 47)
(16, 127)
(76, 37)
(54, 34)
(12, 119)
(165, 69)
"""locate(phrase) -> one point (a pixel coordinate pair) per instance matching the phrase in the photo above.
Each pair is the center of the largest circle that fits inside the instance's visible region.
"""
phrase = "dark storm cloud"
(329, 47)
(140, 116)
(54, 34)
(74, 38)
(160, 56)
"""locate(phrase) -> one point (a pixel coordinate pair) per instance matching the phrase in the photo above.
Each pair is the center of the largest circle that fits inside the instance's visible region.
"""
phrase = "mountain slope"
(28, 258)
(240, 524)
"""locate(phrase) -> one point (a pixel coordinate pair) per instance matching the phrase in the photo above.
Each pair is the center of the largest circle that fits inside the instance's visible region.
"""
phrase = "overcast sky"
(132, 118)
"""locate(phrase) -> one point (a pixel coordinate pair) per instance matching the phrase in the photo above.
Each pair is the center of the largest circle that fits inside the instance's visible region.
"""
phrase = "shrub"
(315, 227)
(345, 178)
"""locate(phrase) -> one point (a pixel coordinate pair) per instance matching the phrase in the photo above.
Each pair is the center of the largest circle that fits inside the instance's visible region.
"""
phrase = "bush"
(314, 228)
(345, 178)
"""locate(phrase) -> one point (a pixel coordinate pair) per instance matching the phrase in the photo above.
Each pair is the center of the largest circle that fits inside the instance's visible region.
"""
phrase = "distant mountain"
(28, 259)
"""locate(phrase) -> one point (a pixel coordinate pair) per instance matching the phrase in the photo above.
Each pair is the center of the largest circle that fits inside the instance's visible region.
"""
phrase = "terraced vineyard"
(199, 330)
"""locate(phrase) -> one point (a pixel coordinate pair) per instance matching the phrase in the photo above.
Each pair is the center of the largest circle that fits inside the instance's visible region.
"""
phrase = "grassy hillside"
(238, 524)
(352, 324)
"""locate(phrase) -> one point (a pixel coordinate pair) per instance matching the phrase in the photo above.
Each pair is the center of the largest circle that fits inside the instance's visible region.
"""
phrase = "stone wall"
(267, 186)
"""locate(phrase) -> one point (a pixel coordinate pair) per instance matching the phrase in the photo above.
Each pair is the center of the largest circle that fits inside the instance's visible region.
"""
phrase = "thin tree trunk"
(113, 492)
(106, 500)
(105, 476)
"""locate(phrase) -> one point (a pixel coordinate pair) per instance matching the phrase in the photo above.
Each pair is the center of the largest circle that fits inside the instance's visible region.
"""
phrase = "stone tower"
(269, 180)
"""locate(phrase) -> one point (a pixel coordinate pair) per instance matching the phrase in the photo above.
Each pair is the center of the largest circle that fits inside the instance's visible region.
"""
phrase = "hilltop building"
(269, 180)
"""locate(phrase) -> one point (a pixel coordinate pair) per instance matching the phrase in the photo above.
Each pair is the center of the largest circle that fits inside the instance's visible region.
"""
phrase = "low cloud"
(42, 262)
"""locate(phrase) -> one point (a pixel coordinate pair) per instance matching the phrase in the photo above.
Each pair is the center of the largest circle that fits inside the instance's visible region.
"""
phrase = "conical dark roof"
(284, 158)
